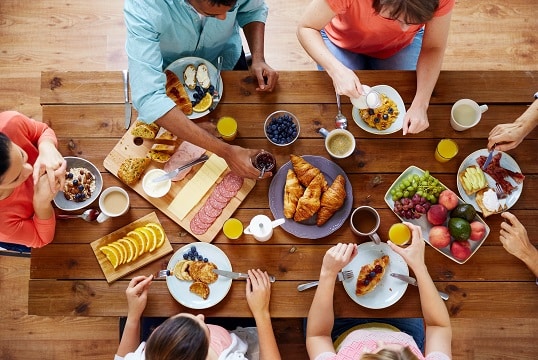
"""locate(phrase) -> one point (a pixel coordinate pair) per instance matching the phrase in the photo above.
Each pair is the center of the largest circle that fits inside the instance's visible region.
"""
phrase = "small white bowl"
(155, 189)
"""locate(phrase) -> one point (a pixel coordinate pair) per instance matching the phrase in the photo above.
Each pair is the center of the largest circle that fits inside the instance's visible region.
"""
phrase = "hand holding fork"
(341, 276)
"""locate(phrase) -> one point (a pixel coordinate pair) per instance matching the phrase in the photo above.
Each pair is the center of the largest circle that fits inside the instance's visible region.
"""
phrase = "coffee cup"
(465, 114)
(365, 221)
(261, 227)
(339, 143)
(113, 202)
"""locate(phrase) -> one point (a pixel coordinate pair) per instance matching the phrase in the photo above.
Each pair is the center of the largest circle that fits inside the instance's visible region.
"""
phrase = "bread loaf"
(472, 179)
(145, 131)
(131, 169)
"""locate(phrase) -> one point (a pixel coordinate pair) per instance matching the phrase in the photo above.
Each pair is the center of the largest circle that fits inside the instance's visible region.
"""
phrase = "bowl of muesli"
(83, 184)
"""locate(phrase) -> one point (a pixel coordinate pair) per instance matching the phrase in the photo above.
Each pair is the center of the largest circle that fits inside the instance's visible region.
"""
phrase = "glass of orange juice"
(232, 228)
(446, 150)
(399, 234)
(227, 128)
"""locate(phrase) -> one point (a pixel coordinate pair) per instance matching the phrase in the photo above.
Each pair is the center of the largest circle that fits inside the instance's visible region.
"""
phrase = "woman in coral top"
(32, 171)
(346, 35)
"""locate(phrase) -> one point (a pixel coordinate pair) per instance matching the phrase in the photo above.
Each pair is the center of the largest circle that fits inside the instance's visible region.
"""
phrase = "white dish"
(389, 290)
(217, 291)
(179, 66)
(423, 221)
(506, 162)
(156, 189)
(397, 125)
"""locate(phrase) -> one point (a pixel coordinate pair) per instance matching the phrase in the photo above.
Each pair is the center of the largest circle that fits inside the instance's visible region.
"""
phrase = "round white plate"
(392, 94)
(179, 66)
(389, 290)
(506, 162)
(217, 291)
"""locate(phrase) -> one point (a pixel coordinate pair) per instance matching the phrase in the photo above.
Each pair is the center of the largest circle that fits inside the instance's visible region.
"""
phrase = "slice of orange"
(150, 238)
(120, 250)
(140, 239)
(160, 233)
(123, 251)
(136, 246)
(154, 236)
(111, 254)
(131, 250)
(204, 103)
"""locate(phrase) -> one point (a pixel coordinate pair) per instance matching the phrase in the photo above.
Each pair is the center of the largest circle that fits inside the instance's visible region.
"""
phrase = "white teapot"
(261, 227)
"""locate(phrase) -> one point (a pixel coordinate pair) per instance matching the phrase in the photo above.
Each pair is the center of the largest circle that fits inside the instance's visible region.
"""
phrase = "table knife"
(490, 156)
(172, 174)
(411, 280)
(236, 275)
(126, 95)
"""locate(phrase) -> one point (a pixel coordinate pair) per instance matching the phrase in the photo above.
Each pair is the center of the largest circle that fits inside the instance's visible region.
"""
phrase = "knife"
(126, 95)
(216, 94)
(237, 275)
(174, 173)
(490, 156)
(413, 281)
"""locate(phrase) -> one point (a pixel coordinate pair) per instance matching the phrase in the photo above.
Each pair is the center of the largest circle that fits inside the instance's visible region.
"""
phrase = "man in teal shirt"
(162, 31)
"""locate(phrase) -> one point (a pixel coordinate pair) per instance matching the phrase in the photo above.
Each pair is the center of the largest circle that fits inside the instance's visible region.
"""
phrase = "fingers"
(511, 218)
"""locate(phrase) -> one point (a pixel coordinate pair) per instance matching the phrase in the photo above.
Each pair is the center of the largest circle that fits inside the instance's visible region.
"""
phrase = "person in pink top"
(32, 171)
(378, 341)
(187, 337)
(347, 35)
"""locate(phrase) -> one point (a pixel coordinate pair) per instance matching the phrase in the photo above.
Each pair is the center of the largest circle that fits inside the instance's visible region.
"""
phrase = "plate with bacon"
(502, 169)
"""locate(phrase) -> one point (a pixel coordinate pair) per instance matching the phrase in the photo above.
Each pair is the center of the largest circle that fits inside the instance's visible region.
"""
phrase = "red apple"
(439, 236)
(461, 250)
(478, 230)
(448, 199)
(437, 214)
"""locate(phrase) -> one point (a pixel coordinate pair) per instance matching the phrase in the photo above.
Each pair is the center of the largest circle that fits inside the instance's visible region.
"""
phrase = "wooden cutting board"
(127, 147)
(112, 274)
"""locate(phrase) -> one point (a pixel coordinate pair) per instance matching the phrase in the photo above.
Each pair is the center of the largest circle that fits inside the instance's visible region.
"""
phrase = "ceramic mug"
(465, 114)
(339, 143)
(365, 221)
(261, 227)
(113, 202)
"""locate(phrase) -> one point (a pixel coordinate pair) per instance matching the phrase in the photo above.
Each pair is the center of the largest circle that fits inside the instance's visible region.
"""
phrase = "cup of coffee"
(365, 221)
(340, 143)
(465, 114)
(113, 202)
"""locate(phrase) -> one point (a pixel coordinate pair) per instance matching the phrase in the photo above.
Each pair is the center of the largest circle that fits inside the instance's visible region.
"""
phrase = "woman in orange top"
(31, 173)
(346, 35)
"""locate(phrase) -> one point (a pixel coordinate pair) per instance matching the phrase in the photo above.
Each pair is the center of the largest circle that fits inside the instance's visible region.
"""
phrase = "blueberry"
(69, 175)
(81, 188)
(366, 282)
(390, 110)
(200, 258)
(371, 111)
(198, 88)
(372, 274)
(385, 116)
(211, 88)
(206, 259)
(185, 256)
(196, 96)
(75, 182)
(192, 258)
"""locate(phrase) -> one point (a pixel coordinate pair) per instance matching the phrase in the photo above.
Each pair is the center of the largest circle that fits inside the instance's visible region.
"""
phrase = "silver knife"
(126, 95)
(490, 156)
(411, 280)
(174, 173)
(216, 94)
(237, 275)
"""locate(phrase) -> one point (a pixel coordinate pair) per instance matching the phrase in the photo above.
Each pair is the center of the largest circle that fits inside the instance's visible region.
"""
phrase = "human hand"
(414, 253)
(258, 292)
(137, 295)
(346, 82)
(267, 77)
(506, 136)
(415, 120)
(52, 163)
(337, 257)
(43, 194)
(238, 159)
(513, 236)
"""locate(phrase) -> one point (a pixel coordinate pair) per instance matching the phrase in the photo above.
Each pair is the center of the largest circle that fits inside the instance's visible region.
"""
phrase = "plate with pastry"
(371, 286)
(190, 82)
(477, 186)
(313, 194)
(386, 118)
(192, 281)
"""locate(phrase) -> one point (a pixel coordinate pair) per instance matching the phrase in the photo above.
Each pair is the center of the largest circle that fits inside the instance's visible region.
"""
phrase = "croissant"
(304, 170)
(332, 200)
(292, 192)
(309, 203)
(176, 92)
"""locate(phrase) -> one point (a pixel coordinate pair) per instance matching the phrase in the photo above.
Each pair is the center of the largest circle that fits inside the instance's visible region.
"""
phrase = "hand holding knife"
(237, 275)
(490, 157)
(412, 281)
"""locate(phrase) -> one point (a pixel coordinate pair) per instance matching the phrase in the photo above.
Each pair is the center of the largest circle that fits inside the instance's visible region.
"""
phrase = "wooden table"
(86, 111)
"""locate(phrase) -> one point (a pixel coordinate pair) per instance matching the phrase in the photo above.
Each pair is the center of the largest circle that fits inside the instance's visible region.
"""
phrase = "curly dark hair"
(5, 159)
(410, 11)
(230, 3)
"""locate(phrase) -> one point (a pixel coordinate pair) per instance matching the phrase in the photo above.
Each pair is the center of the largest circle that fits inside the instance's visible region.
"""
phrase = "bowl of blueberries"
(282, 128)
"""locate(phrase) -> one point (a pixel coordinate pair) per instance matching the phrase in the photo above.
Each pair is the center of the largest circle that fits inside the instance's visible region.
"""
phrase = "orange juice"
(446, 150)
(227, 128)
(232, 228)
(399, 234)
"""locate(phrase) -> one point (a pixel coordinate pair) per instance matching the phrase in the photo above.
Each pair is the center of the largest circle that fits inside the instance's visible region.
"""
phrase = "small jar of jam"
(264, 161)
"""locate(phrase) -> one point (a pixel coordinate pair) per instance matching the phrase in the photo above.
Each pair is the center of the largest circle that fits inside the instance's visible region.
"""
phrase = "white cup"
(365, 221)
(261, 227)
(113, 202)
(369, 99)
(339, 143)
(465, 114)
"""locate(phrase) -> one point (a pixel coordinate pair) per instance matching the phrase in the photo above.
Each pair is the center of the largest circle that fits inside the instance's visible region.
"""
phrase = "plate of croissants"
(313, 194)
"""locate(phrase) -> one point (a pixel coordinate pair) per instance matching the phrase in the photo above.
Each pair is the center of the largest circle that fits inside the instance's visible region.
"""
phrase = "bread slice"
(200, 288)
(472, 179)
(168, 149)
(492, 196)
(202, 76)
(189, 76)
(166, 137)
(159, 156)
(131, 169)
(145, 131)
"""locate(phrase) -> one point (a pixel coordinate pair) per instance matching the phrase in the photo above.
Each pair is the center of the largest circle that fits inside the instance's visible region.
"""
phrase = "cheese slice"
(198, 186)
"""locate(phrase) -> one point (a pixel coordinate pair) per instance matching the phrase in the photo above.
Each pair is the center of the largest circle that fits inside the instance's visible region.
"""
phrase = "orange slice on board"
(120, 250)
(140, 239)
(135, 244)
(160, 233)
(150, 238)
(154, 235)
(111, 254)
(131, 250)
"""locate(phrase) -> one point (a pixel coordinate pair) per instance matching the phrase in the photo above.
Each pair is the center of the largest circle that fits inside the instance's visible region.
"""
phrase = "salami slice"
(232, 182)
(196, 227)
(210, 211)
(204, 218)
(224, 192)
(216, 204)
(216, 195)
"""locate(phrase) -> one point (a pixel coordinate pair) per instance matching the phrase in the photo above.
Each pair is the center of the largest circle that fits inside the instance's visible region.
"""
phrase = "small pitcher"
(261, 227)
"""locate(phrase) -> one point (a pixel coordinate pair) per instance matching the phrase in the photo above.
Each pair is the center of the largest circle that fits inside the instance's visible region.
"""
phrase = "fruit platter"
(449, 224)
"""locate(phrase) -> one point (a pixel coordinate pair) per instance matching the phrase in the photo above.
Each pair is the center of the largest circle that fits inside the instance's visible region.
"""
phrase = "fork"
(501, 195)
(340, 120)
(341, 276)
(162, 274)
(216, 94)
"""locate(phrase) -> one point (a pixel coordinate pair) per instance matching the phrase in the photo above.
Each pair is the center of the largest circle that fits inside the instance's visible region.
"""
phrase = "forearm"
(266, 337)
(255, 35)
(321, 313)
(314, 45)
(433, 308)
(43, 210)
(428, 69)
(531, 260)
(131, 336)
(529, 119)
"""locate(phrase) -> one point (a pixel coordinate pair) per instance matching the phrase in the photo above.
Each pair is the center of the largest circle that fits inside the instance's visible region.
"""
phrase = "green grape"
(393, 191)
(406, 182)
(406, 194)
(399, 194)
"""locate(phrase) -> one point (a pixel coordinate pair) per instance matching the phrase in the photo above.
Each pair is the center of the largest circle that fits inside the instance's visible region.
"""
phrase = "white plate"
(423, 221)
(506, 162)
(389, 290)
(179, 66)
(392, 94)
(217, 291)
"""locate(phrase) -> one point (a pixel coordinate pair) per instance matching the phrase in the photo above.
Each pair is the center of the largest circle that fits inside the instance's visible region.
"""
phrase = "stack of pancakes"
(199, 272)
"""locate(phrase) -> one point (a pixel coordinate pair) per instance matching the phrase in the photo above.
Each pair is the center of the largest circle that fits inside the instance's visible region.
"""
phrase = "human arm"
(321, 315)
(509, 136)
(436, 318)
(255, 33)
(258, 294)
(516, 241)
(428, 69)
(315, 16)
(137, 296)
(51, 163)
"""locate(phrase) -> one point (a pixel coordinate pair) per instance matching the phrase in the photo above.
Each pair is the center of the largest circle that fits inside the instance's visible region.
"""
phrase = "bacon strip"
(498, 173)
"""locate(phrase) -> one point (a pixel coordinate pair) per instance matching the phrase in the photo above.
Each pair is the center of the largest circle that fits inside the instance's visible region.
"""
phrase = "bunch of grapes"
(412, 208)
